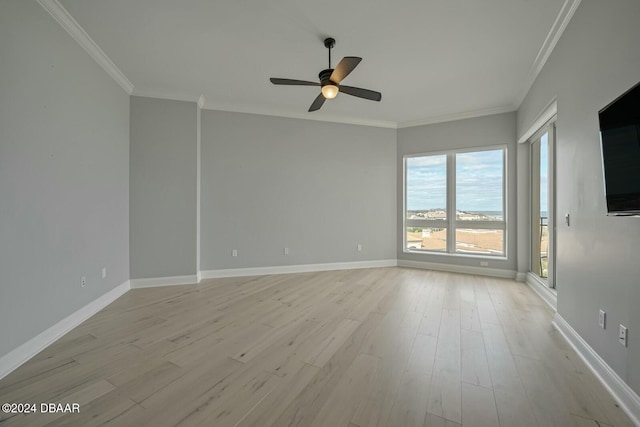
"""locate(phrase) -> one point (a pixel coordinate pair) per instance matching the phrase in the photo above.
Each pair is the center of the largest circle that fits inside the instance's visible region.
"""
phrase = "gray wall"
(163, 188)
(523, 213)
(597, 59)
(317, 188)
(64, 173)
(499, 129)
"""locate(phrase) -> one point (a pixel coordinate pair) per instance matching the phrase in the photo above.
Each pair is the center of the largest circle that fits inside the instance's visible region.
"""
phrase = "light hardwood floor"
(371, 347)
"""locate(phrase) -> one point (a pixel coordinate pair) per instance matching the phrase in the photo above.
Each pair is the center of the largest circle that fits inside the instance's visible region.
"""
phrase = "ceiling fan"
(330, 80)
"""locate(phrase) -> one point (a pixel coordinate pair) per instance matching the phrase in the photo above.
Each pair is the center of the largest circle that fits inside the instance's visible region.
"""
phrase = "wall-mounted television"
(620, 142)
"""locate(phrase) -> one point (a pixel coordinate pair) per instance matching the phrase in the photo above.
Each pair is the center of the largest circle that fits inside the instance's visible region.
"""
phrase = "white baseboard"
(621, 392)
(302, 268)
(521, 277)
(15, 358)
(549, 296)
(154, 282)
(453, 268)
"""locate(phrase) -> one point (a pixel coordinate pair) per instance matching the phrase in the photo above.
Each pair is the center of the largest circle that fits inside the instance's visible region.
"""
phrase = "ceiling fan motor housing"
(325, 77)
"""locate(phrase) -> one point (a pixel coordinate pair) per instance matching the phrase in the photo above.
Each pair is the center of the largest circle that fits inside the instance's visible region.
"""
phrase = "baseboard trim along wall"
(154, 282)
(302, 268)
(14, 359)
(479, 271)
(621, 392)
(543, 291)
(26, 351)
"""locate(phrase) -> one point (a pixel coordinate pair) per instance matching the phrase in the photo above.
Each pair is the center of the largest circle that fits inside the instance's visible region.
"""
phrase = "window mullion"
(451, 203)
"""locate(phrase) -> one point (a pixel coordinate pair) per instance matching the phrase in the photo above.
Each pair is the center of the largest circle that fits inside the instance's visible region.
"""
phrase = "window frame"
(452, 223)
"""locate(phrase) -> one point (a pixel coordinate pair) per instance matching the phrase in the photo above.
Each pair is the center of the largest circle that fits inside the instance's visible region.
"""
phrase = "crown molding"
(305, 116)
(555, 32)
(457, 116)
(66, 21)
(203, 104)
(201, 101)
(170, 96)
(387, 124)
(547, 114)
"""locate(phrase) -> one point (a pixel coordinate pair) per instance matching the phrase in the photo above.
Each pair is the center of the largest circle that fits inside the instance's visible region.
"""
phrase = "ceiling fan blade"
(317, 103)
(371, 95)
(344, 67)
(290, 82)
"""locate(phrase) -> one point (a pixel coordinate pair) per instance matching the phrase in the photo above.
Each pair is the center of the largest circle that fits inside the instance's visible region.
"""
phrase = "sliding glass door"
(542, 206)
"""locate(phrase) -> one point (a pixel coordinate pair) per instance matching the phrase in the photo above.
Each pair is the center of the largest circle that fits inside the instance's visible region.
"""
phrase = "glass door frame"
(550, 129)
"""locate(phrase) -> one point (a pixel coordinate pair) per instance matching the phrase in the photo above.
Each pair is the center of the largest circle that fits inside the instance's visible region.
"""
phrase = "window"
(426, 188)
(471, 184)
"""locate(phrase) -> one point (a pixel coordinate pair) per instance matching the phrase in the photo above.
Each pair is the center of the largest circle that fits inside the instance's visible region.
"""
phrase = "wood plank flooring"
(370, 347)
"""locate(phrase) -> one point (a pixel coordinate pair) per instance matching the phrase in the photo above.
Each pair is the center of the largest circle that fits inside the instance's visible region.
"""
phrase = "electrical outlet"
(484, 263)
(622, 335)
(234, 252)
(286, 251)
(602, 319)
(359, 247)
(83, 281)
(104, 272)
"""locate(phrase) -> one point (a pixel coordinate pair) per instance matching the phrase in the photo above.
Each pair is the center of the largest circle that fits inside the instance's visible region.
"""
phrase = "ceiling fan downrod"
(329, 43)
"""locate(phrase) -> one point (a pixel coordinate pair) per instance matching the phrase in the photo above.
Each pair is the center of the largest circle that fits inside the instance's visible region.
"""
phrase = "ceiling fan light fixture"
(330, 91)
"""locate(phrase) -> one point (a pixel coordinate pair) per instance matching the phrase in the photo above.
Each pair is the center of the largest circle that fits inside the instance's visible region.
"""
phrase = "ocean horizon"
(543, 214)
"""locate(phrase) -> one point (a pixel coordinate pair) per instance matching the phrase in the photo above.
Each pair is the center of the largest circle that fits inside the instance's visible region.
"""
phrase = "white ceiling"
(431, 59)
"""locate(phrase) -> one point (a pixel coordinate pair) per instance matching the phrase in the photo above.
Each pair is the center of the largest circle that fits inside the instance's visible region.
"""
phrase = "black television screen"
(620, 139)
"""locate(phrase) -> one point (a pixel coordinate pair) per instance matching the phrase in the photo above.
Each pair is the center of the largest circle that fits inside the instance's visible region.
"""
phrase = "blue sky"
(478, 181)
